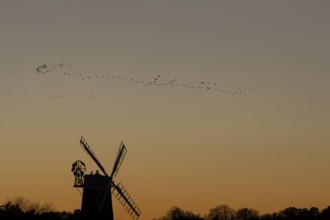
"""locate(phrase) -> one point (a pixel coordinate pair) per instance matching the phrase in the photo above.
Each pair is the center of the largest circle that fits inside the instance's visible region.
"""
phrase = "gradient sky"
(266, 148)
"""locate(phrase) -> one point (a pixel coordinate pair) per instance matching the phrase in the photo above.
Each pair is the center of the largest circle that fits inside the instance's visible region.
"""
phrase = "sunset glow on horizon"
(217, 102)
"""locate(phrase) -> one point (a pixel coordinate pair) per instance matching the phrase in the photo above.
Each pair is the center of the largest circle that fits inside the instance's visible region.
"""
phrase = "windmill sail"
(124, 198)
(119, 159)
(86, 147)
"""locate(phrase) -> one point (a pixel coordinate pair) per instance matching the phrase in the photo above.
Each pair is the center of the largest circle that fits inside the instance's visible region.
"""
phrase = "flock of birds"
(74, 95)
(156, 81)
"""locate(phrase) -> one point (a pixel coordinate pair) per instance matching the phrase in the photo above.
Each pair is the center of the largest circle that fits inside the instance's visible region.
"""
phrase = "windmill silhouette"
(97, 188)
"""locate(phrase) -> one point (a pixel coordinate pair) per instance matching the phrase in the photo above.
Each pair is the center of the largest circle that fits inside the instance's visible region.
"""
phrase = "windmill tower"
(97, 188)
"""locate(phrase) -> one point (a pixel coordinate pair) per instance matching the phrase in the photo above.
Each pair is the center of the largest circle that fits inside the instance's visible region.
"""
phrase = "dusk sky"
(238, 113)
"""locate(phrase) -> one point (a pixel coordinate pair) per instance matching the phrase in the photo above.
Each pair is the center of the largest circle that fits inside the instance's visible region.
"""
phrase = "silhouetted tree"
(221, 212)
(10, 211)
(311, 214)
(325, 214)
(290, 213)
(266, 217)
(19, 208)
(175, 213)
(293, 213)
(25, 205)
(247, 214)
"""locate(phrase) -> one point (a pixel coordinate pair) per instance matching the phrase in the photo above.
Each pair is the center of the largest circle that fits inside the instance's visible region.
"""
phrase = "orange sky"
(266, 148)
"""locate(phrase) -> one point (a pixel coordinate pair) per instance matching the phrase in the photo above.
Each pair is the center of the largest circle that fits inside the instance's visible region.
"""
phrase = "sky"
(217, 102)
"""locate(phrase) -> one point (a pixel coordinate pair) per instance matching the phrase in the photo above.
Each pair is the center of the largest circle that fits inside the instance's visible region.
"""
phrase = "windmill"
(97, 188)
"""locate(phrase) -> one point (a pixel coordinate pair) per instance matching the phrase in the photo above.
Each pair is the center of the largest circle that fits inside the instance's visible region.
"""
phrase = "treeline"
(224, 212)
(23, 209)
(20, 208)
